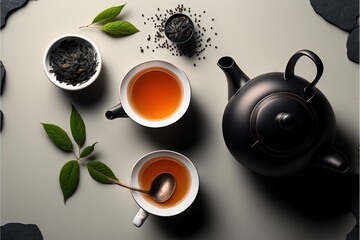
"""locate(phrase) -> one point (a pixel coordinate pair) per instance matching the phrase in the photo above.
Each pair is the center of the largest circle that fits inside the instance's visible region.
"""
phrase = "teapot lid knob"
(286, 120)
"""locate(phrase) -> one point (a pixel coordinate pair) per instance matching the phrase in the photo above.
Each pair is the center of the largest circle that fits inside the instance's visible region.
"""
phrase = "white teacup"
(154, 94)
(187, 184)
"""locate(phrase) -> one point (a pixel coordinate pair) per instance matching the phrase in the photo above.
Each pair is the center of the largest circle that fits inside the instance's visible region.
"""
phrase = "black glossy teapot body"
(278, 124)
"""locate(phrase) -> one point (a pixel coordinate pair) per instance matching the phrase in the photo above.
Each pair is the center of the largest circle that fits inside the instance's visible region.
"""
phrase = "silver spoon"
(161, 189)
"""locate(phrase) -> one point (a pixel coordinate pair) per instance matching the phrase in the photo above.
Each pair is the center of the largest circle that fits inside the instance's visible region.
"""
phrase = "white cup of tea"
(154, 163)
(154, 94)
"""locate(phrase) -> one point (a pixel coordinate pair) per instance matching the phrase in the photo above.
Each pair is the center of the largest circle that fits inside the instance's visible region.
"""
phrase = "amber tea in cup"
(186, 180)
(162, 164)
(155, 93)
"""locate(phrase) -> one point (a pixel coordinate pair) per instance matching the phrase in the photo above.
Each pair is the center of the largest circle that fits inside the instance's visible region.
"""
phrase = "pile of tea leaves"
(179, 28)
(73, 62)
(203, 39)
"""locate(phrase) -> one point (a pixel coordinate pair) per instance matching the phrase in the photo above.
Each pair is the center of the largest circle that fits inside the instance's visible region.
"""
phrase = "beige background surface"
(233, 203)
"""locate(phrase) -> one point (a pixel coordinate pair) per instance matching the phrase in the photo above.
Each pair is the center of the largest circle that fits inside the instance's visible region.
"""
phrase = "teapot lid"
(283, 124)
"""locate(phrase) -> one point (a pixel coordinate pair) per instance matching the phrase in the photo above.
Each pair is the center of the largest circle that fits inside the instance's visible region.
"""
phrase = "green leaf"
(87, 151)
(58, 136)
(108, 14)
(120, 27)
(69, 178)
(77, 126)
(100, 172)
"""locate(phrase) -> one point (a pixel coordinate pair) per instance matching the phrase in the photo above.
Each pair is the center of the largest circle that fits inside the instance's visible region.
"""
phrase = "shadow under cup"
(186, 176)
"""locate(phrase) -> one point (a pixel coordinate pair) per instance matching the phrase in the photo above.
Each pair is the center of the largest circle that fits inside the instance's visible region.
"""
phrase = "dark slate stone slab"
(1, 119)
(354, 234)
(354, 206)
(8, 7)
(352, 45)
(342, 13)
(19, 231)
(2, 76)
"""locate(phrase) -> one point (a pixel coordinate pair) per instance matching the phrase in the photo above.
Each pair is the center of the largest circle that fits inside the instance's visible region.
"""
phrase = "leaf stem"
(129, 187)
(84, 26)
(77, 158)
(89, 26)
(82, 161)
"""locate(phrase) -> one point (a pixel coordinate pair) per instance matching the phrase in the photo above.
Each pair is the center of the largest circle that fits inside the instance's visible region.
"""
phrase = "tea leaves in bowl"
(73, 62)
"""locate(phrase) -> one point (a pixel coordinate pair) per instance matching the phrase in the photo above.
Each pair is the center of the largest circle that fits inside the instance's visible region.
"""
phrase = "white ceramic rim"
(182, 206)
(52, 77)
(186, 88)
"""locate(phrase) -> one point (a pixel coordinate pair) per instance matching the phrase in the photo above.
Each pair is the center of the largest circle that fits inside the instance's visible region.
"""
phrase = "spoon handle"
(131, 188)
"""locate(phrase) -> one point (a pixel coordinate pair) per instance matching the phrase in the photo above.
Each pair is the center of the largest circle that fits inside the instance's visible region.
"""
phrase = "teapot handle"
(289, 71)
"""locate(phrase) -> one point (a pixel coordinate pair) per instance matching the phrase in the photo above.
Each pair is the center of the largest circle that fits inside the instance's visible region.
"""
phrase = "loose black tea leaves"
(179, 28)
(73, 62)
(203, 36)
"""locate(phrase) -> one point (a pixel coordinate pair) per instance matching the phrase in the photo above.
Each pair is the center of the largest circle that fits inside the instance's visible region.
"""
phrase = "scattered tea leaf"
(108, 14)
(100, 172)
(69, 178)
(77, 126)
(87, 151)
(59, 137)
(120, 27)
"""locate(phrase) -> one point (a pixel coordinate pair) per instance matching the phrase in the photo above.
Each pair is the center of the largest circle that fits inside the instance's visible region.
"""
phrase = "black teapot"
(278, 124)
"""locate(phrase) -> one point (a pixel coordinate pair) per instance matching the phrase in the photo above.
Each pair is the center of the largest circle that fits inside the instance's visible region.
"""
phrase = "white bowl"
(53, 45)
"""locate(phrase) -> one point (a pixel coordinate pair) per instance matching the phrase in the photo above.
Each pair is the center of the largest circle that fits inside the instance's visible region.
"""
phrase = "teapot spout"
(236, 78)
(334, 160)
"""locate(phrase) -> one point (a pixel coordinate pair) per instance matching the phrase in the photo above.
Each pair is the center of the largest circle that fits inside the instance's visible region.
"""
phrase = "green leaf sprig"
(117, 27)
(70, 172)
